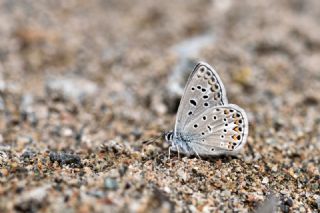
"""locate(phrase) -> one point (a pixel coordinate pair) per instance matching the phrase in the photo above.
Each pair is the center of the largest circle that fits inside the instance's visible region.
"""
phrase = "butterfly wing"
(218, 130)
(204, 90)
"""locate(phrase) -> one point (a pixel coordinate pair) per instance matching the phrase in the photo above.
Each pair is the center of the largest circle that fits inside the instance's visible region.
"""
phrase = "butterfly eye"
(204, 118)
(205, 97)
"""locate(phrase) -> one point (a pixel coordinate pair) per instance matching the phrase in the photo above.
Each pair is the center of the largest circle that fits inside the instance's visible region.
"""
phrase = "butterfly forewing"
(203, 91)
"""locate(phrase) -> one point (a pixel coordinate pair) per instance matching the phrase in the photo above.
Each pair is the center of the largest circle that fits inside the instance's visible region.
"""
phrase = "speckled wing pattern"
(205, 120)
(203, 88)
(218, 130)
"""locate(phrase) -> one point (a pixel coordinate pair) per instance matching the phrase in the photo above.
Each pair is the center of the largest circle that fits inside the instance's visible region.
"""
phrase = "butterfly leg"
(197, 154)
(176, 148)
(178, 151)
(170, 148)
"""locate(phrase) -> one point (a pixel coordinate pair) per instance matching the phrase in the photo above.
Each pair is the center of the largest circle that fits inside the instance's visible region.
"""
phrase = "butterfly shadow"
(224, 158)
(212, 159)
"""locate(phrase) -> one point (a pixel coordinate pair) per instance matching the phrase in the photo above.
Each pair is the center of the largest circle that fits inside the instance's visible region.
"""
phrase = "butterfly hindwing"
(218, 130)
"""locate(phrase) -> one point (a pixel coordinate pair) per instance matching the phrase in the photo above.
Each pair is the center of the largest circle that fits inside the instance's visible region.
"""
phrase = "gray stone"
(111, 184)
(70, 88)
(65, 159)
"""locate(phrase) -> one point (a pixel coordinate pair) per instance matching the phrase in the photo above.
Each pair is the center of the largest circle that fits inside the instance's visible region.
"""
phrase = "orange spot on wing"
(234, 137)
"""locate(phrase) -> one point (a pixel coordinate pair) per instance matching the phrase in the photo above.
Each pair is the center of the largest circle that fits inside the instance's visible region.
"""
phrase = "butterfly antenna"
(152, 140)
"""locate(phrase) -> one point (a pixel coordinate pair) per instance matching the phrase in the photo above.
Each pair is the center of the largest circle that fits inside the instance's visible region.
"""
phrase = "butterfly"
(206, 124)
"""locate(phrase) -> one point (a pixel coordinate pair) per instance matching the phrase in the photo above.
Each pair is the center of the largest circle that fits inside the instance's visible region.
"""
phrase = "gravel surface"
(84, 83)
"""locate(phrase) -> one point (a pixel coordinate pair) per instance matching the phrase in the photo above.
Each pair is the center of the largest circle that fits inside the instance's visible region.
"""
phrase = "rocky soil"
(84, 83)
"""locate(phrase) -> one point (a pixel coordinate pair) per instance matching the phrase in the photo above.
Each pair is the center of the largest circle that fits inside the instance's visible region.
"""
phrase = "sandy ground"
(83, 83)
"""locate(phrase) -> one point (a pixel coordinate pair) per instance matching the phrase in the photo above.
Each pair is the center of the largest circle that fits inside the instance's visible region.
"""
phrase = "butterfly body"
(206, 124)
(180, 142)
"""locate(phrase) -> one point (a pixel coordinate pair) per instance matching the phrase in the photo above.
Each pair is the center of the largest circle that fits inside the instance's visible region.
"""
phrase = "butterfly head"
(169, 136)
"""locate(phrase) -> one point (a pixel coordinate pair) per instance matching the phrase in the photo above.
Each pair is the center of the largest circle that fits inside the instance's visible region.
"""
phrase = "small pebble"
(65, 159)
(182, 174)
(318, 202)
(111, 184)
(265, 180)
(284, 208)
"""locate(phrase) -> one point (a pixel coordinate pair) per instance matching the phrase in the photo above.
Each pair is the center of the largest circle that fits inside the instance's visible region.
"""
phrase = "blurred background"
(82, 83)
